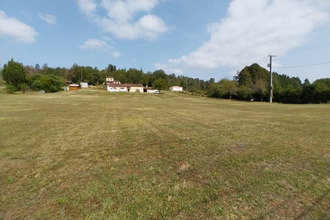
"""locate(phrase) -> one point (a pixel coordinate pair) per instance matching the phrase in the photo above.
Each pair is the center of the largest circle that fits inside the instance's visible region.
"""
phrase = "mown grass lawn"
(90, 154)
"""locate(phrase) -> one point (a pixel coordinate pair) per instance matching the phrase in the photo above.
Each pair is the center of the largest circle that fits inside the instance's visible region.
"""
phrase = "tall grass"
(90, 154)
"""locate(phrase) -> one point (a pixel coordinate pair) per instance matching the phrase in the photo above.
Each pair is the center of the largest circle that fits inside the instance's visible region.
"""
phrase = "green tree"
(48, 83)
(134, 76)
(159, 84)
(253, 82)
(244, 93)
(14, 74)
(228, 87)
(52, 83)
(321, 90)
(160, 74)
(223, 89)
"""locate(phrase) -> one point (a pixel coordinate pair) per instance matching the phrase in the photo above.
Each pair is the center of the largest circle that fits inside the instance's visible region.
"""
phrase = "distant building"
(146, 89)
(153, 91)
(115, 87)
(74, 86)
(111, 80)
(83, 85)
(176, 89)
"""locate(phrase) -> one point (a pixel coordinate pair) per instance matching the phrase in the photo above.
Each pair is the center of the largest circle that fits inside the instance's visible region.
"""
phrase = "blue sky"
(204, 39)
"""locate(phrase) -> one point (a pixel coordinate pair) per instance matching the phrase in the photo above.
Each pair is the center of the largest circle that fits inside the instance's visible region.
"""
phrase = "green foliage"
(37, 85)
(10, 89)
(48, 83)
(85, 74)
(134, 76)
(244, 93)
(51, 83)
(223, 89)
(13, 73)
(23, 87)
(253, 82)
(159, 84)
(322, 90)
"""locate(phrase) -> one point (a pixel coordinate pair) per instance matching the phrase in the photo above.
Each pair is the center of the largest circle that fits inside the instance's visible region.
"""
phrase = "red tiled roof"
(124, 85)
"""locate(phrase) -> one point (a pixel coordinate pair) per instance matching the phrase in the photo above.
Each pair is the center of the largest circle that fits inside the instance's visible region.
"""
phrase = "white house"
(176, 89)
(111, 80)
(114, 87)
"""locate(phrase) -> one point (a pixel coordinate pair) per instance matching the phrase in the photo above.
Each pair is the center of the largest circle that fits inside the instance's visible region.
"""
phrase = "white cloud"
(254, 29)
(116, 54)
(17, 29)
(88, 7)
(126, 19)
(94, 44)
(48, 18)
(99, 45)
(122, 11)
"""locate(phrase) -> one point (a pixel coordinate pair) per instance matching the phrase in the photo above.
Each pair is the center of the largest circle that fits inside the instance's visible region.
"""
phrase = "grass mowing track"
(90, 154)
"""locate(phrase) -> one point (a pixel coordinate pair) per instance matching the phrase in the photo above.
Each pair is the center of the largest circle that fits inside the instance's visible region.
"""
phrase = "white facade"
(118, 88)
(153, 91)
(83, 85)
(136, 88)
(111, 89)
(110, 79)
(176, 89)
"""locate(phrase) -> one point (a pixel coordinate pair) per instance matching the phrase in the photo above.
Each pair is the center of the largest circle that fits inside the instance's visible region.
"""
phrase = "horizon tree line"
(251, 83)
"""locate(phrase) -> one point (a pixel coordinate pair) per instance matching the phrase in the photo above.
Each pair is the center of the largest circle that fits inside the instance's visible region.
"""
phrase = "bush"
(37, 85)
(10, 88)
(48, 83)
(23, 87)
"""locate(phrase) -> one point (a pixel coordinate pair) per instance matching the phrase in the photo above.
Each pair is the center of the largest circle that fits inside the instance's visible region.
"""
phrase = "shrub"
(23, 87)
(10, 88)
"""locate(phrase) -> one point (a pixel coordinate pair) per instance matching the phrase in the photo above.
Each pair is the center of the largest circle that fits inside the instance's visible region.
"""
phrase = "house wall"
(83, 85)
(73, 87)
(122, 89)
(176, 89)
(110, 79)
(118, 88)
(110, 89)
(153, 91)
(136, 89)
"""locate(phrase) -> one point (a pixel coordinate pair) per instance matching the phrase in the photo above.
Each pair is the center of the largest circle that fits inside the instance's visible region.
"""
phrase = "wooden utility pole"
(270, 79)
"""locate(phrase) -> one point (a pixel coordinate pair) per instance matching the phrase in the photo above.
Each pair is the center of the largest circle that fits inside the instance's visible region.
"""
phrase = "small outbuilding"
(74, 86)
(176, 89)
(83, 85)
(153, 91)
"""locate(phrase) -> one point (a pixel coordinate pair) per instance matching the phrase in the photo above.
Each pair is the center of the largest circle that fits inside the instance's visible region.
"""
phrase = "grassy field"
(90, 154)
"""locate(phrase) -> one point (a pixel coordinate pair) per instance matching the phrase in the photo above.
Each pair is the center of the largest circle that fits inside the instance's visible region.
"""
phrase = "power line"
(305, 65)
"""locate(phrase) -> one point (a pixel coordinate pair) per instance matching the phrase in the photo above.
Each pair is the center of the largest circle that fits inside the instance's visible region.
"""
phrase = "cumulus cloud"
(100, 45)
(126, 19)
(253, 29)
(94, 44)
(17, 29)
(87, 7)
(48, 18)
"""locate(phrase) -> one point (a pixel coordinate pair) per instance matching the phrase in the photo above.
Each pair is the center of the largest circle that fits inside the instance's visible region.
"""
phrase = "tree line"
(251, 83)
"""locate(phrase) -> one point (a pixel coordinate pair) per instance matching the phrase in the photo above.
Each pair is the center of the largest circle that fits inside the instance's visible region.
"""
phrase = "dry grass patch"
(90, 154)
